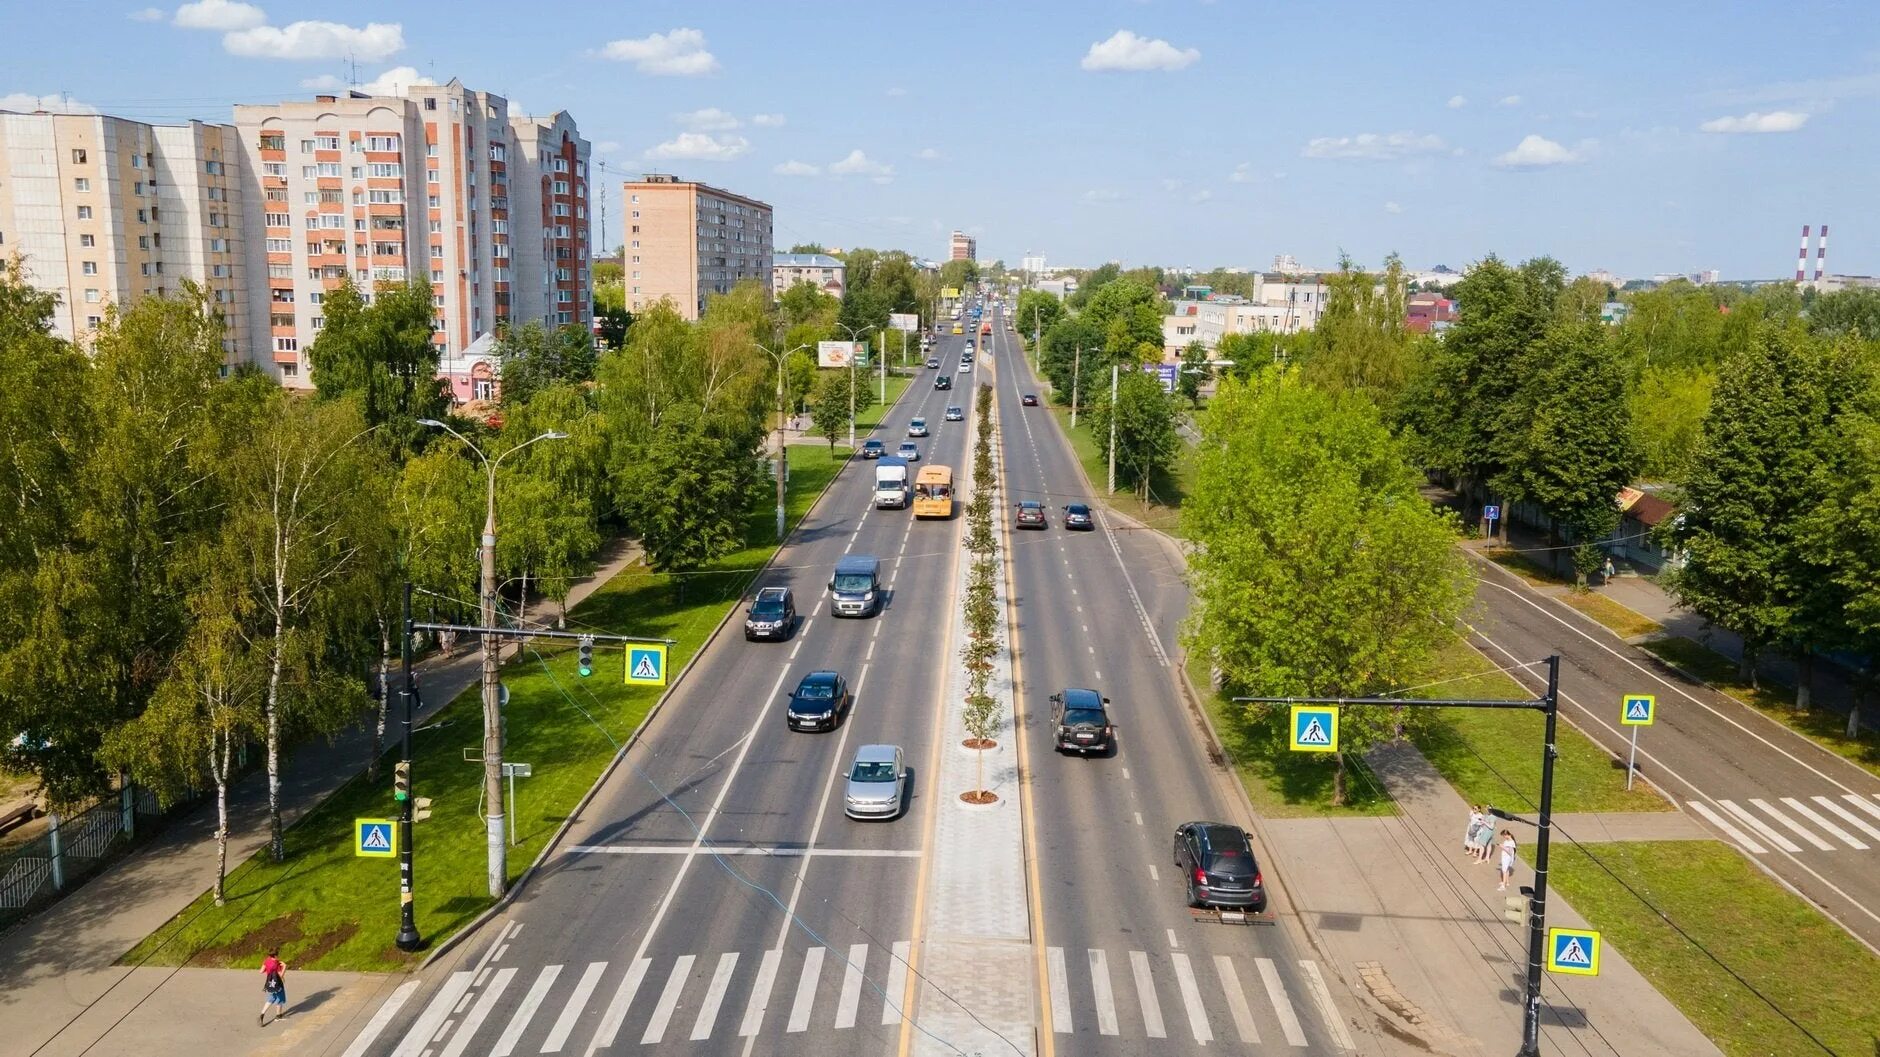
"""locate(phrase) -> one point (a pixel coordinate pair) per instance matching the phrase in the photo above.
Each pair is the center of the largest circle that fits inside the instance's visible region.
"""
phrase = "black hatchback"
(818, 702)
(1218, 866)
(1077, 516)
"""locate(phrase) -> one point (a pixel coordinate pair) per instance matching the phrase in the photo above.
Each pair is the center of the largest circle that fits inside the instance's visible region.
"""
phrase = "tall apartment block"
(687, 241)
(105, 210)
(964, 247)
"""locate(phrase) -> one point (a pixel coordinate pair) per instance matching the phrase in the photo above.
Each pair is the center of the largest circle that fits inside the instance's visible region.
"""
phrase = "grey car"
(877, 786)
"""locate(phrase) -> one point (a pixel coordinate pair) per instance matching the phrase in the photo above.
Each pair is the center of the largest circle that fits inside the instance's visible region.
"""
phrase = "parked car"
(917, 427)
(956, 414)
(877, 785)
(1083, 721)
(1077, 516)
(873, 449)
(909, 451)
(772, 615)
(1031, 514)
(1218, 866)
(819, 701)
(1029, 400)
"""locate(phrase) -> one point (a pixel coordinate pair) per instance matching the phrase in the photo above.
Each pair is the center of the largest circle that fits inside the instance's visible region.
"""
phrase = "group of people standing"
(1480, 841)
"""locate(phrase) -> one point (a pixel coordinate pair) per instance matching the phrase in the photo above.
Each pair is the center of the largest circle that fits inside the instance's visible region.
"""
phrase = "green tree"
(382, 354)
(959, 274)
(808, 247)
(550, 497)
(1855, 312)
(1146, 441)
(687, 494)
(830, 413)
(1360, 343)
(1840, 536)
(1036, 311)
(1092, 281)
(1319, 570)
(534, 357)
(1194, 371)
(1128, 312)
(1668, 405)
(806, 302)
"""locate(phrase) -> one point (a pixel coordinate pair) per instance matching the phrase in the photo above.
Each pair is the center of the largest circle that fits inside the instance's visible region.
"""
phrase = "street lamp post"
(409, 938)
(783, 459)
(1111, 482)
(1077, 375)
(492, 706)
(850, 331)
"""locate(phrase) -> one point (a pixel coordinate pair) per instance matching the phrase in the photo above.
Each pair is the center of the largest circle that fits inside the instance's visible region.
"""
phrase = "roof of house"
(1643, 507)
(805, 260)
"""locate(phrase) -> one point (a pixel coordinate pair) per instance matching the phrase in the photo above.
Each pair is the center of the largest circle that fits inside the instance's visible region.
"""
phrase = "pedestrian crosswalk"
(581, 1008)
(1791, 824)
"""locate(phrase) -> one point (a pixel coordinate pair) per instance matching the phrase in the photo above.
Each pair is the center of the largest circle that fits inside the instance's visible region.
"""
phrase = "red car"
(1029, 400)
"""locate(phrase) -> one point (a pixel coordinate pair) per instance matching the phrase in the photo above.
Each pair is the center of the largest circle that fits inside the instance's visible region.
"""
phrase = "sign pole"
(1631, 761)
(408, 937)
(1537, 905)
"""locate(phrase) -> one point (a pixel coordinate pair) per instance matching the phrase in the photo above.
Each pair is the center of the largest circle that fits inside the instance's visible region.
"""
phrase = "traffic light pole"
(408, 937)
(1548, 704)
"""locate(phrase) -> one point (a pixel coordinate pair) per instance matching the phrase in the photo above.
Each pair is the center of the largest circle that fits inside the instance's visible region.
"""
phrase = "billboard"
(951, 293)
(1164, 372)
(836, 353)
(908, 321)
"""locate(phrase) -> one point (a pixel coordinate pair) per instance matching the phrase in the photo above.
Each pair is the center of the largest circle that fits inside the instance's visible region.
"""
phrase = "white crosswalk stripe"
(1191, 999)
(1145, 994)
(668, 1001)
(1322, 997)
(1742, 839)
(1782, 821)
(525, 1012)
(479, 1013)
(1276, 991)
(433, 1016)
(1100, 986)
(1872, 807)
(616, 1014)
(760, 992)
(851, 986)
(714, 996)
(1809, 813)
(571, 1012)
(806, 990)
(1808, 835)
(1236, 999)
(1060, 987)
(1852, 819)
(1767, 831)
(896, 991)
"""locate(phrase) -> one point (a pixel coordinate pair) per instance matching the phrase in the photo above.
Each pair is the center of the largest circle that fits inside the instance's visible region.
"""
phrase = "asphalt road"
(1802, 813)
(1129, 969)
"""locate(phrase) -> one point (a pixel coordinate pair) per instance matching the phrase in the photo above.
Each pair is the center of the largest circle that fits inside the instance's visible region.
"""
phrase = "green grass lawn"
(1526, 567)
(1824, 726)
(870, 418)
(1729, 913)
(1163, 510)
(1616, 618)
(327, 909)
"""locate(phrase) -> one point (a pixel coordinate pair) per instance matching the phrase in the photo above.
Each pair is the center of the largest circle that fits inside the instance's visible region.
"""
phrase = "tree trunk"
(218, 767)
(1804, 678)
(979, 761)
(1338, 780)
(1853, 713)
(277, 848)
(1746, 664)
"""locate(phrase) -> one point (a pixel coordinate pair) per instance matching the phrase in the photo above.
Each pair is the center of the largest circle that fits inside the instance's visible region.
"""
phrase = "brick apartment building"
(686, 241)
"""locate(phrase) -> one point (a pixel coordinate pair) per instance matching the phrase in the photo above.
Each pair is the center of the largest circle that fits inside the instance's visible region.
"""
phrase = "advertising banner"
(836, 353)
(908, 321)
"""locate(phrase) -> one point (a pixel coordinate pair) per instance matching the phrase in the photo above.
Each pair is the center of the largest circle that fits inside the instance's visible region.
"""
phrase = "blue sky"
(1637, 137)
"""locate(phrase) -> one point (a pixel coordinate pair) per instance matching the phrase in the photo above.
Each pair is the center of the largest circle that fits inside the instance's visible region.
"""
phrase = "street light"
(850, 331)
(783, 460)
(492, 706)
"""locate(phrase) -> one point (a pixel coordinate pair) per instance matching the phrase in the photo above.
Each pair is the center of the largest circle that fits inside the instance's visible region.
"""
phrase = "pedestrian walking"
(1507, 860)
(1484, 838)
(1475, 826)
(274, 986)
(1610, 570)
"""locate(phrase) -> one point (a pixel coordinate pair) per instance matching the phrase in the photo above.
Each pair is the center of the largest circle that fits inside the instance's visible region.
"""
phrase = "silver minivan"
(877, 786)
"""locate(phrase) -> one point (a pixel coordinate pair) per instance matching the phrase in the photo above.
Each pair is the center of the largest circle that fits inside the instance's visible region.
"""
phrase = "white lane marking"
(822, 809)
(1322, 996)
(1282, 1006)
(1126, 774)
(1174, 944)
(1138, 818)
(485, 1004)
(1766, 808)
(897, 982)
(772, 852)
(465, 1002)
(1810, 814)
(1864, 805)
(571, 1012)
(500, 951)
(616, 1013)
(1060, 990)
(433, 1016)
(871, 650)
(668, 1000)
(519, 1020)
(376, 1025)
(478, 982)
(1142, 612)
(1097, 675)
(1236, 999)
(714, 997)
(1852, 819)
(1153, 876)
(805, 990)
(441, 1032)
(1145, 994)
(1106, 999)
(1191, 998)
(1729, 830)
(759, 1001)
(1760, 826)
(851, 986)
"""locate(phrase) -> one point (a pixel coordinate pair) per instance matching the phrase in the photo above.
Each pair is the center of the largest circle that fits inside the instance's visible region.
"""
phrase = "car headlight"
(868, 597)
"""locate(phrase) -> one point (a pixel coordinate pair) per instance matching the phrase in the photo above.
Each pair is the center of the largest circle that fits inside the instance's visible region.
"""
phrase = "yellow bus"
(933, 492)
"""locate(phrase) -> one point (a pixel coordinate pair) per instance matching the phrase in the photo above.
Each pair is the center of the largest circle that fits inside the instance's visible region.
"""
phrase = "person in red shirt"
(274, 985)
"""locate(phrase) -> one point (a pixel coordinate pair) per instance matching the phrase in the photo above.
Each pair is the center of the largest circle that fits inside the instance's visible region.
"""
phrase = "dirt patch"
(980, 743)
(282, 932)
(323, 945)
(979, 796)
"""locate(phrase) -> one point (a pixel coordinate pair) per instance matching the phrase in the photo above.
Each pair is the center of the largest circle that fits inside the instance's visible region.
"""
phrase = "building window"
(84, 212)
(358, 172)
(218, 245)
(274, 168)
(437, 253)
(88, 268)
(286, 344)
(386, 143)
(434, 201)
(328, 143)
(329, 168)
(276, 220)
(78, 156)
(80, 183)
(437, 276)
(213, 168)
(387, 170)
(306, 146)
(143, 242)
(87, 240)
(94, 322)
(279, 271)
(91, 297)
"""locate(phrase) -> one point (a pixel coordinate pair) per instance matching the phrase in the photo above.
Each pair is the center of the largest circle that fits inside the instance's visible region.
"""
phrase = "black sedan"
(819, 702)
(873, 449)
(933, 364)
(1218, 867)
(1078, 516)
(1031, 514)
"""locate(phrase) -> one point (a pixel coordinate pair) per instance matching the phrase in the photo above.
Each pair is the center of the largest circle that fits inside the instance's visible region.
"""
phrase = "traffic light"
(401, 781)
(586, 651)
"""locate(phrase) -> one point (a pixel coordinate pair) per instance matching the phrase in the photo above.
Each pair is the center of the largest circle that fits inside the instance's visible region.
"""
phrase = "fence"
(72, 848)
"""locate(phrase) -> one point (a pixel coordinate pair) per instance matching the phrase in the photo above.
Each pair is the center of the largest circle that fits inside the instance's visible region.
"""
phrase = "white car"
(965, 365)
(917, 427)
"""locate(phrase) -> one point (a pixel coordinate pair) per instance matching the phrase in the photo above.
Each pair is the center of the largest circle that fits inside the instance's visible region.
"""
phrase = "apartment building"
(964, 247)
(1281, 304)
(105, 210)
(822, 271)
(687, 241)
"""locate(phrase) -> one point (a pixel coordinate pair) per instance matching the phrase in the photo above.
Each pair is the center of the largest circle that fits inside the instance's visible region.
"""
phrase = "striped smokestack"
(1801, 257)
(1821, 254)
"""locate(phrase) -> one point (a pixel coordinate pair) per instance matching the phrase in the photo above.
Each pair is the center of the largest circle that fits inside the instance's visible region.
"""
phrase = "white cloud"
(1099, 195)
(1127, 51)
(796, 168)
(1773, 121)
(767, 120)
(1243, 173)
(1508, 100)
(395, 81)
(1392, 207)
(680, 53)
(1537, 152)
(710, 119)
(700, 146)
(1369, 146)
(148, 14)
(859, 164)
(928, 154)
(896, 92)
(27, 102)
(1170, 183)
(1457, 102)
(221, 15)
(374, 42)
(1201, 196)
(326, 82)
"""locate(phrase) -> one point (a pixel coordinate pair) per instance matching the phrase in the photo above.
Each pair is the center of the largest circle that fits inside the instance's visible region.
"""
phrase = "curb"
(448, 943)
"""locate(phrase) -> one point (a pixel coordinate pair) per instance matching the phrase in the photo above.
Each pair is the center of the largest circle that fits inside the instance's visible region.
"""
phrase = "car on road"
(909, 450)
(1218, 867)
(956, 414)
(1031, 514)
(855, 589)
(772, 615)
(819, 701)
(1078, 516)
(1083, 721)
(877, 785)
(873, 449)
(970, 346)
(965, 365)
(933, 363)
(957, 329)
(1029, 400)
(942, 382)
(917, 427)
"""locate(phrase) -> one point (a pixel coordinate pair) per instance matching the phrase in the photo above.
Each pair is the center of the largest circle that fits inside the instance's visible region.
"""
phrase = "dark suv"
(819, 702)
(943, 382)
(1218, 866)
(772, 615)
(1083, 721)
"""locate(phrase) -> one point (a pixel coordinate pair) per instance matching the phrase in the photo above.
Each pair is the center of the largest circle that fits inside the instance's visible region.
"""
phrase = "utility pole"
(1111, 482)
(783, 458)
(408, 938)
(1037, 346)
(884, 367)
(1077, 374)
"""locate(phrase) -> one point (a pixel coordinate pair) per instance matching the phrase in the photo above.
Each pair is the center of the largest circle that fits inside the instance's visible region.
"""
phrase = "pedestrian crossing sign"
(646, 665)
(1573, 951)
(1314, 728)
(375, 838)
(1639, 710)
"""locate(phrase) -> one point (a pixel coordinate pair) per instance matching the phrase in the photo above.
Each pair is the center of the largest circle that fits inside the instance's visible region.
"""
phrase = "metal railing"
(40, 870)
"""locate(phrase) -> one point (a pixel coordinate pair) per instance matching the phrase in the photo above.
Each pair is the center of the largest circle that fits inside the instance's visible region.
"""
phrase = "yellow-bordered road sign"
(1639, 710)
(1314, 728)
(375, 838)
(1573, 951)
(646, 665)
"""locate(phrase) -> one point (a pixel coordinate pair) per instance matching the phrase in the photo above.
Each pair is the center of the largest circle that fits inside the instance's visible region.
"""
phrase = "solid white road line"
(772, 853)
(519, 1020)
(1282, 1006)
(1810, 814)
(1322, 997)
(1764, 828)
(897, 982)
(472, 1023)
(1764, 807)
(433, 1016)
(1153, 876)
(851, 986)
(1060, 990)
(1106, 998)
(616, 1013)
(1145, 994)
(714, 997)
(1729, 830)
(1174, 944)
(1191, 998)
(805, 990)
(1236, 999)
(364, 1040)
(1854, 820)
(668, 1000)
(759, 1001)
(571, 1012)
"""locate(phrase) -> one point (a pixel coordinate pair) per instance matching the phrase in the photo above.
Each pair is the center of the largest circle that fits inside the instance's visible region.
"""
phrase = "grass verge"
(1163, 509)
(328, 910)
(1616, 618)
(1823, 726)
(1525, 567)
(1729, 913)
(870, 418)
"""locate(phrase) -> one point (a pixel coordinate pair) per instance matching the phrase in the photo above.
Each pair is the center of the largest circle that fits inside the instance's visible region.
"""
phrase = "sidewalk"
(1418, 925)
(61, 991)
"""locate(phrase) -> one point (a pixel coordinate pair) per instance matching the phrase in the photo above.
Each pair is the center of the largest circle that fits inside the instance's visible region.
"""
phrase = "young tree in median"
(1319, 570)
(1194, 371)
